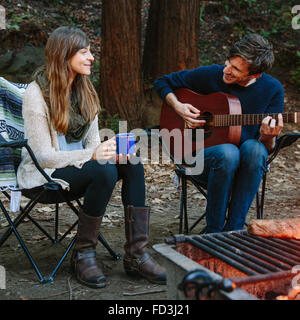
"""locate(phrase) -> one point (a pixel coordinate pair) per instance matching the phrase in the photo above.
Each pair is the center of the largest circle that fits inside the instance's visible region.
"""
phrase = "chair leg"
(116, 256)
(61, 260)
(197, 221)
(68, 231)
(183, 207)
(260, 199)
(9, 230)
(25, 214)
(186, 223)
(18, 220)
(24, 247)
(258, 206)
(182, 213)
(56, 222)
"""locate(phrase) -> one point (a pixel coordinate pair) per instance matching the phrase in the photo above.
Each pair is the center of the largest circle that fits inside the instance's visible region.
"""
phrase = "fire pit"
(261, 268)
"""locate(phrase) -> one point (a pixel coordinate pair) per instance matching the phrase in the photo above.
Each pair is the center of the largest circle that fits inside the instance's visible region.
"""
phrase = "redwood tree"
(121, 89)
(172, 35)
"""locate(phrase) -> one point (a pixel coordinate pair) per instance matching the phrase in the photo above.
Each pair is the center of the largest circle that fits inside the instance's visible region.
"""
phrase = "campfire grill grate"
(260, 268)
(252, 255)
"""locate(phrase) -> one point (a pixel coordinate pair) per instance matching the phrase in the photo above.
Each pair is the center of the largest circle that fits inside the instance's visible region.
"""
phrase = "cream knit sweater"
(42, 138)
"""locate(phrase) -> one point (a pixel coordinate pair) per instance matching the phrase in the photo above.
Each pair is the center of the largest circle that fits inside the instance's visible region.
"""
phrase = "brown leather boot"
(138, 262)
(83, 260)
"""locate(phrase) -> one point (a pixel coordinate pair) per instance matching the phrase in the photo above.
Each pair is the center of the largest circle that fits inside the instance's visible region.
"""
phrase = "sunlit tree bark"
(171, 37)
(121, 89)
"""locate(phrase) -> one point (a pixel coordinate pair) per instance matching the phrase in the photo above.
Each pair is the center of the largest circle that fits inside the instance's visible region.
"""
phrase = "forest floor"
(282, 201)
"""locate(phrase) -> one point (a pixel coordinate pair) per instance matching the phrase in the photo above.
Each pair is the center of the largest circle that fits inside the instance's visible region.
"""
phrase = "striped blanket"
(11, 128)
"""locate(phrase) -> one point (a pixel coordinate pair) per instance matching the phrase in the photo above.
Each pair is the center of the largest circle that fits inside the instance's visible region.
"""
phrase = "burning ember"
(293, 294)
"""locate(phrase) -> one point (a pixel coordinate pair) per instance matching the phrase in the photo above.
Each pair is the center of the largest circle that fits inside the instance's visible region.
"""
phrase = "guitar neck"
(225, 120)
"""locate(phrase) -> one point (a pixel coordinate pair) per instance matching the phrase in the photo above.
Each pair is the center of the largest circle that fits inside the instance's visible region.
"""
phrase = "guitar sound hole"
(208, 117)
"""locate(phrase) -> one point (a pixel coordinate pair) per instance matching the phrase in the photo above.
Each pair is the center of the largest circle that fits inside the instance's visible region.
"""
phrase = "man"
(233, 172)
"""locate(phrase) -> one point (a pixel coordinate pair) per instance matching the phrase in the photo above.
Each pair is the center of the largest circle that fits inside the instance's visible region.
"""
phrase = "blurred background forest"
(135, 41)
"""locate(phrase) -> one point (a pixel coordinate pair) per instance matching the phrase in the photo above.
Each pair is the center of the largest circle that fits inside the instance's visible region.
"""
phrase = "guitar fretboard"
(221, 120)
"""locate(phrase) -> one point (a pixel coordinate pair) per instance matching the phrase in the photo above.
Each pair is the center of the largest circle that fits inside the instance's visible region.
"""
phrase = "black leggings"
(96, 183)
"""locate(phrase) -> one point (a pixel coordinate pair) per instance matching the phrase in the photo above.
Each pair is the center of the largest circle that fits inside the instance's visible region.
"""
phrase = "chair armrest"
(40, 169)
(13, 144)
(283, 142)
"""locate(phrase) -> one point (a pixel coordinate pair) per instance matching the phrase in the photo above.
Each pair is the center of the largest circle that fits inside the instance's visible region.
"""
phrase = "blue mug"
(125, 143)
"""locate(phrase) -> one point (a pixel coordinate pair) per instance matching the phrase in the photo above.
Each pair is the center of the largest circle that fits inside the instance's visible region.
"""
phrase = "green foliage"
(109, 122)
(15, 20)
(249, 3)
(264, 10)
(240, 29)
(60, 2)
(95, 77)
(204, 60)
(201, 14)
(95, 22)
(295, 73)
(273, 21)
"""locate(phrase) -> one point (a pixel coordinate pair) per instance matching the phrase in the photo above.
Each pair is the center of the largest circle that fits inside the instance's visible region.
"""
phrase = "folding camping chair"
(11, 142)
(180, 171)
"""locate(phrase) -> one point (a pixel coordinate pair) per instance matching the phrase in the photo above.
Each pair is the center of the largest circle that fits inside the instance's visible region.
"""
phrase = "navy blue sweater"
(266, 95)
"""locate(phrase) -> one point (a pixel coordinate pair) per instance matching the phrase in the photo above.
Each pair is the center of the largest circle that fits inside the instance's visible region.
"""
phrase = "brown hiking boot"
(137, 261)
(83, 260)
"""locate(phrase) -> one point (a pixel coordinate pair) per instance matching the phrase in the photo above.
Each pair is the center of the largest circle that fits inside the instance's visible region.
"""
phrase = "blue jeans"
(231, 173)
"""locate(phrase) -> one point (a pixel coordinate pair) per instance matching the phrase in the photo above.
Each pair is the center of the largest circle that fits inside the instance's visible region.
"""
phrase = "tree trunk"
(172, 36)
(120, 64)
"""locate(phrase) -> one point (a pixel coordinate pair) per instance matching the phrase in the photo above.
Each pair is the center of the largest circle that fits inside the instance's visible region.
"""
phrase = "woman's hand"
(106, 150)
(124, 158)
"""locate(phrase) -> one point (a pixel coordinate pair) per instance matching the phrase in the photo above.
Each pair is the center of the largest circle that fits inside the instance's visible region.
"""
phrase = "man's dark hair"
(256, 50)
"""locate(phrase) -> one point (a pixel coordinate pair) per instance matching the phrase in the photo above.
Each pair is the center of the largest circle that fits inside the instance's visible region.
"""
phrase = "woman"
(61, 124)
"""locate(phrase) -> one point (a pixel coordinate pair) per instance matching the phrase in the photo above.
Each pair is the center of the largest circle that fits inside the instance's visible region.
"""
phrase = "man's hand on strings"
(190, 115)
(269, 129)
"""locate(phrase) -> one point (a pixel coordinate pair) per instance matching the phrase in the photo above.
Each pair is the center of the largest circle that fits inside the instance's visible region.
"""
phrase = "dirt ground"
(282, 200)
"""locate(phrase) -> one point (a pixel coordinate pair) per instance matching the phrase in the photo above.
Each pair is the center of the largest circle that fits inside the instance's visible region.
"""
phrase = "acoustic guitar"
(223, 115)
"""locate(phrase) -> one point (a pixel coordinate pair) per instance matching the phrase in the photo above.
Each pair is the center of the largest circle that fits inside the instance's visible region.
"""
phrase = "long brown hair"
(62, 44)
